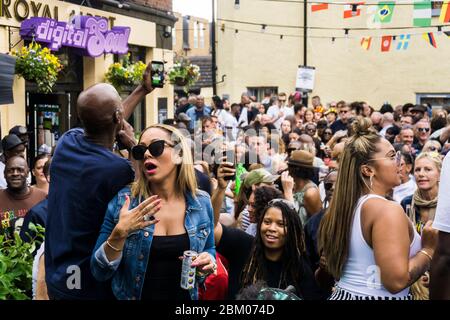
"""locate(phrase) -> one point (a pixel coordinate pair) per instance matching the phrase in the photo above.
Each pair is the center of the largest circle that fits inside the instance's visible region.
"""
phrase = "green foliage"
(16, 264)
(37, 64)
(184, 73)
(124, 73)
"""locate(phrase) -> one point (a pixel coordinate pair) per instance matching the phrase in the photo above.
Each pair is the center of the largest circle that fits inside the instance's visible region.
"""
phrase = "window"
(436, 100)
(258, 92)
(202, 35)
(436, 7)
(195, 34)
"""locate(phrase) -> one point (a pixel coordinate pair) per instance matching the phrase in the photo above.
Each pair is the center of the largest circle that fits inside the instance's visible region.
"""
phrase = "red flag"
(319, 7)
(352, 10)
(386, 43)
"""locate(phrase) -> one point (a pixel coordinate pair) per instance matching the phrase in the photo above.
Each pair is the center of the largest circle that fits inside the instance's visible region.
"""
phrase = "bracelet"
(427, 254)
(112, 247)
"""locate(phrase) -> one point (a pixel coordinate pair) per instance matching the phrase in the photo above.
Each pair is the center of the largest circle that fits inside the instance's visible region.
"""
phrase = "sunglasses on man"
(423, 129)
(156, 149)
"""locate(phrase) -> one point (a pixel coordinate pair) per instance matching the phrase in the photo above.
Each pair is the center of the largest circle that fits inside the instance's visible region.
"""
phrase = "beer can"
(187, 271)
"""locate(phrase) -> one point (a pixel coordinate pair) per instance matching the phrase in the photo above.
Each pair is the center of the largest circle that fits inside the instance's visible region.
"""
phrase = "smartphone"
(157, 74)
(230, 156)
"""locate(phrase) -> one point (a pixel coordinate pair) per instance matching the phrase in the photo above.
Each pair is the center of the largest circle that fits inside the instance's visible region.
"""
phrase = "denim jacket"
(128, 271)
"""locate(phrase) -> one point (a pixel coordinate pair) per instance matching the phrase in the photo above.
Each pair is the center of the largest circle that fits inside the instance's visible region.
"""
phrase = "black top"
(311, 243)
(235, 245)
(338, 125)
(203, 182)
(306, 288)
(163, 275)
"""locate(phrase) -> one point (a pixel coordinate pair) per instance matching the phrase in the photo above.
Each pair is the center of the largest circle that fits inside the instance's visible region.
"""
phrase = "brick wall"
(165, 5)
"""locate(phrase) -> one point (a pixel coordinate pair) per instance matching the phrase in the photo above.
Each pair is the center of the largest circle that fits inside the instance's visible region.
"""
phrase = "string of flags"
(402, 41)
(422, 11)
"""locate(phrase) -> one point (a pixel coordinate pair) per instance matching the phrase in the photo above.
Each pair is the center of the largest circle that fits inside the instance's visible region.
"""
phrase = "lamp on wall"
(236, 4)
(167, 31)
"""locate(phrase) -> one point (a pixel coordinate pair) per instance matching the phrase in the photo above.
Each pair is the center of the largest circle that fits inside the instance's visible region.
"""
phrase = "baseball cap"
(10, 142)
(419, 108)
(259, 176)
(18, 130)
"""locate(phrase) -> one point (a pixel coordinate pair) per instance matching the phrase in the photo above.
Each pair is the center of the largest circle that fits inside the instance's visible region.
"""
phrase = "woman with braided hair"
(278, 256)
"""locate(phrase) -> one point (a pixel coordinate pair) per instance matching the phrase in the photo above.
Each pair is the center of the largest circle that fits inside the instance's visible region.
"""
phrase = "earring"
(371, 182)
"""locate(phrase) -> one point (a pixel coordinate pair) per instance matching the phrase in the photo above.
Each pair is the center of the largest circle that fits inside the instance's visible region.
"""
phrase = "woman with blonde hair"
(421, 206)
(148, 227)
(369, 244)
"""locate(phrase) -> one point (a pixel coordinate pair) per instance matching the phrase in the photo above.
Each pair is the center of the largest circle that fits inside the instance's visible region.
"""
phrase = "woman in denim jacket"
(148, 227)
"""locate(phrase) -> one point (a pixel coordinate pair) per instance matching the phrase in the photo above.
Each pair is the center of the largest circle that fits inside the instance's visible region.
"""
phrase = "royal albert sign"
(88, 34)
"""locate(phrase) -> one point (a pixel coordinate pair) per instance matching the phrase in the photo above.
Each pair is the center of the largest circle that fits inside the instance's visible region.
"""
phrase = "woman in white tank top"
(369, 244)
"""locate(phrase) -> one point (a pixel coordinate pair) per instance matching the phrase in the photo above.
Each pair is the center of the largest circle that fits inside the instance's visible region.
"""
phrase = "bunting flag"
(319, 7)
(429, 37)
(365, 43)
(422, 13)
(352, 10)
(445, 12)
(386, 43)
(447, 33)
(384, 11)
(403, 41)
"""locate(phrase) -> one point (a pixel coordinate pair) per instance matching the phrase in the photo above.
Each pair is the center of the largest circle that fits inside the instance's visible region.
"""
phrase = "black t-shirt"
(306, 288)
(203, 181)
(338, 125)
(236, 246)
(85, 178)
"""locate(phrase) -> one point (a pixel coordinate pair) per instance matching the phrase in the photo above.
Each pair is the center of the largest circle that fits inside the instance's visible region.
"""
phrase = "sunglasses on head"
(156, 148)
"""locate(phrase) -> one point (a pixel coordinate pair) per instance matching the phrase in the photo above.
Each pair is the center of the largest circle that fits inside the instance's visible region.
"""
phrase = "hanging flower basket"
(122, 74)
(39, 65)
(179, 81)
(184, 73)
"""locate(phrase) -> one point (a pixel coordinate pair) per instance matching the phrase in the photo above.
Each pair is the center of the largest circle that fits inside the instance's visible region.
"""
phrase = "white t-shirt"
(404, 190)
(2, 176)
(273, 112)
(442, 218)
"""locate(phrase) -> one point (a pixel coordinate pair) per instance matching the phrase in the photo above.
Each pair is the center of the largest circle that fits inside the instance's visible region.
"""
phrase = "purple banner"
(89, 34)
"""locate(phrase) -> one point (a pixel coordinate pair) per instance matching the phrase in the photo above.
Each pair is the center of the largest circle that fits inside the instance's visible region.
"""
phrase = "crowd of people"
(333, 201)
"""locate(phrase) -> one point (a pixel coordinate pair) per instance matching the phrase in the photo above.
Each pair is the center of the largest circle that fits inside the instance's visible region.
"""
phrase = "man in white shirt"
(386, 123)
(278, 111)
(440, 265)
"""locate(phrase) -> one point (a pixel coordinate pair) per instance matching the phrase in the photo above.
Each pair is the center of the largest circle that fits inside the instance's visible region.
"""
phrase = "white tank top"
(361, 275)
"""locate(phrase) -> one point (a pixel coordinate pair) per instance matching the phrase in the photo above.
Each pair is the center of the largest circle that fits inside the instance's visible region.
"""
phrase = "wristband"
(427, 254)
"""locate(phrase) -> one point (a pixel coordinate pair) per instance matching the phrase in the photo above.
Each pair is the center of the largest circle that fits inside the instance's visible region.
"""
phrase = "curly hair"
(263, 195)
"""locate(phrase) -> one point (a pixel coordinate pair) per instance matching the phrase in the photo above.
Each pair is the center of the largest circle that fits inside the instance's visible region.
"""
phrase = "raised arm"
(225, 169)
(130, 102)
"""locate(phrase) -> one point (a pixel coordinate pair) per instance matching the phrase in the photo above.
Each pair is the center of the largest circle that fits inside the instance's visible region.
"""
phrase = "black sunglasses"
(156, 148)
(423, 129)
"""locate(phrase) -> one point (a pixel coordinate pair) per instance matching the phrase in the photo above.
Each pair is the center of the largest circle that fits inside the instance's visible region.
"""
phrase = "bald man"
(86, 175)
(17, 199)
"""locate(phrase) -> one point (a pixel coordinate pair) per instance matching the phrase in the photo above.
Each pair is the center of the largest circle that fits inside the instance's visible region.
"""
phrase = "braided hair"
(293, 250)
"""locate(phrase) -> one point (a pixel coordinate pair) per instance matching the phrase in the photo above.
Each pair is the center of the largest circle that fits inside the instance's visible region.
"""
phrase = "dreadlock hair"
(293, 250)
